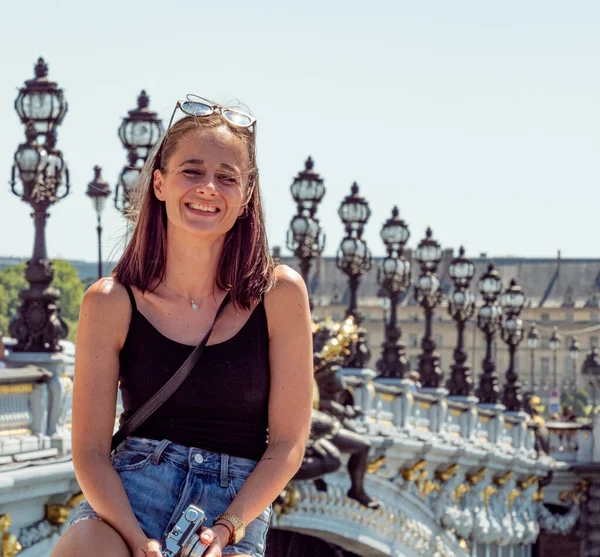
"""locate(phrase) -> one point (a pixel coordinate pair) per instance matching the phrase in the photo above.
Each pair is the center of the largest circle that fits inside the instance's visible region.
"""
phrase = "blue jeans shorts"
(162, 478)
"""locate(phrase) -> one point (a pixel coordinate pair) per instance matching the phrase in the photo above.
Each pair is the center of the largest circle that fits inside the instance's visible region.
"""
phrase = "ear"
(159, 189)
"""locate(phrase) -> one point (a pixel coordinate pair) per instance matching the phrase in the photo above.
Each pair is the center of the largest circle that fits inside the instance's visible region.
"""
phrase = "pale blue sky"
(480, 119)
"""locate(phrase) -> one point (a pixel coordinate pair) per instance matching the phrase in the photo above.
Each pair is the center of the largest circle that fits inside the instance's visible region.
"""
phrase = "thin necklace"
(193, 304)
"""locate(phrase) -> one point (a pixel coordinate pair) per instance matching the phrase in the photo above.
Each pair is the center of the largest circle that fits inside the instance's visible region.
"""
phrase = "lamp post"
(394, 277)
(554, 346)
(353, 257)
(533, 338)
(591, 369)
(574, 353)
(513, 301)
(305, 238)
(98, 191)
(488, 320)
(429, 294)
(139, 132)
(44, 178)
(461, 307)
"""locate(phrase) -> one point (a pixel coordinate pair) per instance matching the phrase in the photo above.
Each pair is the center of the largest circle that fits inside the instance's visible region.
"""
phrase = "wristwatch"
(239, 528)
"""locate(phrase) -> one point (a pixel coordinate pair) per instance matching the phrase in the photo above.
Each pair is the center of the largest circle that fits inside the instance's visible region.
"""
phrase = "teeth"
(205, 208)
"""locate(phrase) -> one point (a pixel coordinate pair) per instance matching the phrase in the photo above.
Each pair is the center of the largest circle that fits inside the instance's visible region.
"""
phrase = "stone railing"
(570, 442)
(32, 404)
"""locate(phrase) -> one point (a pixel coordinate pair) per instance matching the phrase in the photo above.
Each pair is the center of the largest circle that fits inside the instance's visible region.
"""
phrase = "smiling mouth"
(199, 208)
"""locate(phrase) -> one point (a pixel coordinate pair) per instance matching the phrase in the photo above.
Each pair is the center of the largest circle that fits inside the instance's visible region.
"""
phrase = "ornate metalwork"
(461, 307)
(44, 177)
(305, 236)
(428, 293)
(513, 301)
(10, 544)
(488, 321)
(394, 275)
(354, 259)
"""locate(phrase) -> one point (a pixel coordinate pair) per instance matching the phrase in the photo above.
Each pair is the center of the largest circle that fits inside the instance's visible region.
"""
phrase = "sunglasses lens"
(237, 118)
(196, 108)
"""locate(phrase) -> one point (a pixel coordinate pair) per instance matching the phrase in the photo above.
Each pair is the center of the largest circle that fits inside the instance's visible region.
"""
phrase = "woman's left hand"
(215, 538)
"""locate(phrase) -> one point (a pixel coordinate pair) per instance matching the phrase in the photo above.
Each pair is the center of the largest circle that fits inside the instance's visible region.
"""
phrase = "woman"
(199, 234)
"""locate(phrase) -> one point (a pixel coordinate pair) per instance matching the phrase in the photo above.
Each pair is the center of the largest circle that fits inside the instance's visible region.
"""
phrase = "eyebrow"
(200, 161)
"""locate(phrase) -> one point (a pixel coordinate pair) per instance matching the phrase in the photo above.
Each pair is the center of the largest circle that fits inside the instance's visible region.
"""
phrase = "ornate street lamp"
(98, 191)
(574, 353)
(305, 236)
(554, 346)
(394, 277)
(533, 338)
(41, 101)
(591, 370)
(141, 128)
(353, 257)
(488, 320)
(44, 178)
(513, 301)
(461, 307)
(429, 294)
(139, 132)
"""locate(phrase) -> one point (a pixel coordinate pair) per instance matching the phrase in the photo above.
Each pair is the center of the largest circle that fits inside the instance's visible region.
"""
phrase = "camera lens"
(193, 548)
(191, 515)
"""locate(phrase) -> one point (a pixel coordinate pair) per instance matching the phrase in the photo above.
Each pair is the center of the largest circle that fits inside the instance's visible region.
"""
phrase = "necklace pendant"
(194, 305)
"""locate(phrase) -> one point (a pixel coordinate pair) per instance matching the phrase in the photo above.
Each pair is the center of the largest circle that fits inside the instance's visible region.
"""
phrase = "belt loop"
(224, 469)
(160, 449)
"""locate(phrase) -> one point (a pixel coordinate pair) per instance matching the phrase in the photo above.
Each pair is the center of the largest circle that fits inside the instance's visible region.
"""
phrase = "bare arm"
(290, 397)
(103, 324)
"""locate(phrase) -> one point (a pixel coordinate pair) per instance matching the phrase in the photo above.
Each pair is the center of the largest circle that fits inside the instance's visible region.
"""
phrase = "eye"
(227, 179)
(191, 172)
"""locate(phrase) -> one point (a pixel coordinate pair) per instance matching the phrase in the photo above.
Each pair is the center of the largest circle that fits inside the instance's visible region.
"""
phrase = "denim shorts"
(162, 478)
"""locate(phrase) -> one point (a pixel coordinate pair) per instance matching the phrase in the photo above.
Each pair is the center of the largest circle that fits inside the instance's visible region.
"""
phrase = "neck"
(192, 265)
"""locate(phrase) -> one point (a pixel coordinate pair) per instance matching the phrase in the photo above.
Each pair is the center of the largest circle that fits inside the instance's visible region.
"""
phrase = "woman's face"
(204, 185)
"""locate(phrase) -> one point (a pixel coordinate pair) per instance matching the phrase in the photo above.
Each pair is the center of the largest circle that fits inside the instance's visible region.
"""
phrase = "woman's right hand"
(147, 548)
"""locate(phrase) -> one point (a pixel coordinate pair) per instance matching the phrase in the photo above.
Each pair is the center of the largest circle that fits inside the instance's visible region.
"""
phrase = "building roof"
(547, 283)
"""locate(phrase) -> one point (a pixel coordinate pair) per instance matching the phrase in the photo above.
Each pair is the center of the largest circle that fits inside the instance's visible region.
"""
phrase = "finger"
(207, 536)
(154, 548)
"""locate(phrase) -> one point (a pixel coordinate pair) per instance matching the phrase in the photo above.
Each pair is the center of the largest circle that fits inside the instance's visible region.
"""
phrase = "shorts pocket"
(128, 461)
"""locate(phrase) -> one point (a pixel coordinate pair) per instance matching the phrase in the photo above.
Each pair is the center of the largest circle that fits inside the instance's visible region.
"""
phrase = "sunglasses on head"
(198, 106)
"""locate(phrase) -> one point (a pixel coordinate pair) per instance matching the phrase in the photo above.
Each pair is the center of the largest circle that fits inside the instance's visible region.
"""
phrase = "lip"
(199, 211)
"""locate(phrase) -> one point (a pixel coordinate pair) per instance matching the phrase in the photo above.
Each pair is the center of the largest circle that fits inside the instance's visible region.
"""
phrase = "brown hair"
(246, 267)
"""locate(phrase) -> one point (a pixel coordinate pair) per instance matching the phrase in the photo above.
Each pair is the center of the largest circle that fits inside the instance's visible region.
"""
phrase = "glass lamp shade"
(428, 284)
(490, 284)
(428, 252)
(513, 298)
(533, 337)
(299, 226)
(461, 269)
(395, 232)
(99, 203)
(141, 128)
(574, 350)
(554, 342)
(29, 159)
(462, 300)
(129, 178)
(513, 324)
(395, 269)
(353, 256)
(41, 101)
(354, 210)
(308, 188)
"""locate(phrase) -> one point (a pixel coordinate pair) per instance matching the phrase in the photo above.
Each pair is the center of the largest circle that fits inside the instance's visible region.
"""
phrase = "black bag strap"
(161, 396)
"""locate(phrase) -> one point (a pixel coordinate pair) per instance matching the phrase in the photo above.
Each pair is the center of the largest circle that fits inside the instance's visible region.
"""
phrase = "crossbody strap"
(162, 395)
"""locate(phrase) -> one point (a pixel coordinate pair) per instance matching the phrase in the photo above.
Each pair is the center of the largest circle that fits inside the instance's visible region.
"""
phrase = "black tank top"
(222, 406)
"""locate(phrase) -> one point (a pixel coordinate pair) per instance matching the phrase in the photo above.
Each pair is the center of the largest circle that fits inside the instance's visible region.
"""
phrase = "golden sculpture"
(408, 474)
(445, 475)
(514, 493)
(10, 545)
(374, 467)
(476, 477)
(501, 480)
(487, 494)
(57, 514)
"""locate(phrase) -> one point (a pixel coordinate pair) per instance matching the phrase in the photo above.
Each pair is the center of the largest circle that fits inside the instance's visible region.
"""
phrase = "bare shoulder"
(288, 297)
(106, 308)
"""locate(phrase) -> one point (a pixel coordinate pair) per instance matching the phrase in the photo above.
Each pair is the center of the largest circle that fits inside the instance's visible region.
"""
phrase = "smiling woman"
(232, 436)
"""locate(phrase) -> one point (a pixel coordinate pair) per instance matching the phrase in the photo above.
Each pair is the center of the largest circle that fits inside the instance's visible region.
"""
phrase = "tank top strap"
(131, 297)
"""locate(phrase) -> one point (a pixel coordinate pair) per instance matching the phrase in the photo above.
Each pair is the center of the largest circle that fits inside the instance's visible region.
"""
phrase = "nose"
(207, 188)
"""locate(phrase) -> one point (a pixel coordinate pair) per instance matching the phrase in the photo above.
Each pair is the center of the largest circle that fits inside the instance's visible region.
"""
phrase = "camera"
(184, 539)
